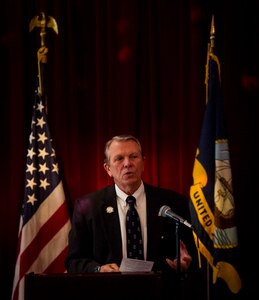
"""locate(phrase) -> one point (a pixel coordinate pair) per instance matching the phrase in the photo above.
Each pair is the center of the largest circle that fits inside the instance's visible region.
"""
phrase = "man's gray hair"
(120, 138)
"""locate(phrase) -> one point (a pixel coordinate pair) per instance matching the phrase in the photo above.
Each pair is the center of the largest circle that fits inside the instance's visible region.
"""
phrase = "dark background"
(129, 66)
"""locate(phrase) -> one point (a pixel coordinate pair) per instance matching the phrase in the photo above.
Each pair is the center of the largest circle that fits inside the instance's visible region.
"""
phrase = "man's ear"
(107, 169)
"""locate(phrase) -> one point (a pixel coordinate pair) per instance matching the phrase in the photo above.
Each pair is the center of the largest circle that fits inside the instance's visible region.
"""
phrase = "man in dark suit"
(97, 240)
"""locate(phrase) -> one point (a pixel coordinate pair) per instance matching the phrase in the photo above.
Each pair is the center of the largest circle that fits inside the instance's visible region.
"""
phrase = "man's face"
(126, 165)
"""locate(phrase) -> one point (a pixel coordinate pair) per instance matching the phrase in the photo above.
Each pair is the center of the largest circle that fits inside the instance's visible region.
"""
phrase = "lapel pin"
(109, 210)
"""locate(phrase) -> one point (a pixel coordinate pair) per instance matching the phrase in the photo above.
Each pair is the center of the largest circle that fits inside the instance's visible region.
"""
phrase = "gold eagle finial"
(42, 23)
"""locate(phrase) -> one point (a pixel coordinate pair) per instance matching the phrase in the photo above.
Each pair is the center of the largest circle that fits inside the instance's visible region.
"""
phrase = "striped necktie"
(133, 229)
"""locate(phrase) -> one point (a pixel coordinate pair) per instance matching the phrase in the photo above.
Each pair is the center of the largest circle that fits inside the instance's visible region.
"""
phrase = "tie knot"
(131, 201)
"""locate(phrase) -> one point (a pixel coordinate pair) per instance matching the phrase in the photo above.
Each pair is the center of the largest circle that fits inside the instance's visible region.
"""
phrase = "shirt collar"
(124, 196)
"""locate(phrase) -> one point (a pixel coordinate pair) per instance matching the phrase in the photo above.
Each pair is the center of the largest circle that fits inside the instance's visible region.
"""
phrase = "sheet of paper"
(135, 265)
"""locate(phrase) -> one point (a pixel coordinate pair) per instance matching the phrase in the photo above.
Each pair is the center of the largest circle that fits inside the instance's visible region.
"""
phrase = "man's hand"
(185, 259)
(110, 268)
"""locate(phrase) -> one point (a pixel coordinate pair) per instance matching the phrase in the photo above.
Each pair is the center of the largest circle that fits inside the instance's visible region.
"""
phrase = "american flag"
(44, 221)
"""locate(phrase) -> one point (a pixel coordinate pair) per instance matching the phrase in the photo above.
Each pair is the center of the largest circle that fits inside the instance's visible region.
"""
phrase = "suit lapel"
(153, 222)
(112, 223)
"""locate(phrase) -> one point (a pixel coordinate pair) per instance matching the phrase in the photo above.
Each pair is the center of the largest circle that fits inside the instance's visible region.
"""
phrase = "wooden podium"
(126, 286)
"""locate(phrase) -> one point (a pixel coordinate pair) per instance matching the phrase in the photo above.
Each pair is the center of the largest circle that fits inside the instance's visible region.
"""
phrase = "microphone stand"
(177, 243)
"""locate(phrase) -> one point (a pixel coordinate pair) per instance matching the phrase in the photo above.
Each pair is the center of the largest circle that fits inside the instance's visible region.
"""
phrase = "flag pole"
(211, 191)
(210, 50)
(212, 35)
(44, 200)
(211, 47)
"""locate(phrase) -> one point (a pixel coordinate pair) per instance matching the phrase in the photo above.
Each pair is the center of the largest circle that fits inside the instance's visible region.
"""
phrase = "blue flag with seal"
(212, 204)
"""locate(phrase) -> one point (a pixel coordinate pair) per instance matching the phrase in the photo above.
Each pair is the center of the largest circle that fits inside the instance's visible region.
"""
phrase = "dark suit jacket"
(95, 238)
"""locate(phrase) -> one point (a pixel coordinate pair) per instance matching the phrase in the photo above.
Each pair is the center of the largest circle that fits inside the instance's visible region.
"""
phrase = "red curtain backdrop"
(127, 66)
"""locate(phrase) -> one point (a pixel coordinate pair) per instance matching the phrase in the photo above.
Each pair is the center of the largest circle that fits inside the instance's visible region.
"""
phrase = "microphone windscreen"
(163, 210)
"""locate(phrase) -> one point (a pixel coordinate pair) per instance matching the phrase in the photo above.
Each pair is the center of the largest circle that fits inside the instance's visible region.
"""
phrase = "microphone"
(165, 211)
